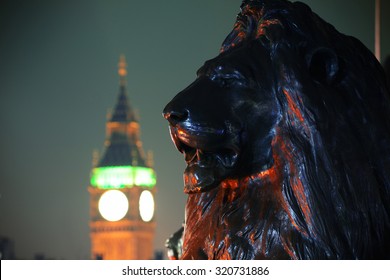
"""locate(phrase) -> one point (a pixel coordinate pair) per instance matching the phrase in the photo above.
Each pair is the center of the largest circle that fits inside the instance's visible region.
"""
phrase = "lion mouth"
(203, 158)
(208, 162)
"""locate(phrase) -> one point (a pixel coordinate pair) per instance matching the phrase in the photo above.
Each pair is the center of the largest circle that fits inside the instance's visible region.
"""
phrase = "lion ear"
(323, 65)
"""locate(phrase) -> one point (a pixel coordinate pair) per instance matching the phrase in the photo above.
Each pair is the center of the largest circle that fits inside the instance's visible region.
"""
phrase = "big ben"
(122, 188)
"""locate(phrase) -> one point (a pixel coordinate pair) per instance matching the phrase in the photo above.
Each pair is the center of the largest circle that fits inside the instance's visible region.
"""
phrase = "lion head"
(286, 136)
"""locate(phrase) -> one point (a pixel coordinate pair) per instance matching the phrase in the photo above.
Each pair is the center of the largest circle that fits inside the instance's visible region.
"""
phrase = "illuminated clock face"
(146, 206)
(113, 205)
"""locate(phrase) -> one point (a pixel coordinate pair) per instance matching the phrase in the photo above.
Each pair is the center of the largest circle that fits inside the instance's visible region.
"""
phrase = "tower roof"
(123, 146)
(123, 111)
(121, 152)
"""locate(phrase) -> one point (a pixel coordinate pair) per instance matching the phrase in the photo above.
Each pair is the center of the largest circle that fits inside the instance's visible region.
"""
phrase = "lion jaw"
(209, 161)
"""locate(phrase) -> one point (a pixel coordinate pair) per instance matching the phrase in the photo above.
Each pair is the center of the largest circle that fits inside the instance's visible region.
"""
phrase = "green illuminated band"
(118, 177)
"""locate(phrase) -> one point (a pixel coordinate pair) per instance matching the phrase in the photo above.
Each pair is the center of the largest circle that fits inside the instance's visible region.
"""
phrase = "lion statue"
(286, 136)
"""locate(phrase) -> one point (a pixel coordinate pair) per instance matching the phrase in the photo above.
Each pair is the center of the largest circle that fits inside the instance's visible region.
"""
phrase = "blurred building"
(122, 188)
(7, 250)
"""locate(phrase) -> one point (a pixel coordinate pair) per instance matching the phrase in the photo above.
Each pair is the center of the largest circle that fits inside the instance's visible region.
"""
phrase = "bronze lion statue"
(286, 136)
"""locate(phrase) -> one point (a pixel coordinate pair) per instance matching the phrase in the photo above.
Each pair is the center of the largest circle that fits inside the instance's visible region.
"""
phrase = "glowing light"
(122, 66)
(146, 206)
(122, 177)
(113, 205)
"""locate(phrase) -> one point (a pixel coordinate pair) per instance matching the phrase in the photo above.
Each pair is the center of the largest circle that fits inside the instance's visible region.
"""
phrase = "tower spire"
(122, 71)
(123, 111)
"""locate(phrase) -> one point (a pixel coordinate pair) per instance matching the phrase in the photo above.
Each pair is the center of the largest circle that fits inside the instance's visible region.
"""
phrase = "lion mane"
(322, 191)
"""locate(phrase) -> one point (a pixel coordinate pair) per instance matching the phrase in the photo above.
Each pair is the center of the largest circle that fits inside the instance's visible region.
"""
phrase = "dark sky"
(58, 78)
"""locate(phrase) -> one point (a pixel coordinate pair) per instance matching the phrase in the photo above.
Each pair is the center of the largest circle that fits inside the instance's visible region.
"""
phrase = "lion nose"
(175, 117)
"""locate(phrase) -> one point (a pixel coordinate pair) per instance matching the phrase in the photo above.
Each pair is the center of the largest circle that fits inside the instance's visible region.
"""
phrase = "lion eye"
(228, 79)
(229, 82)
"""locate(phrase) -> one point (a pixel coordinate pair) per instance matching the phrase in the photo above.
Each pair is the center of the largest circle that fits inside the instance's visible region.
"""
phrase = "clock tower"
(122, 188)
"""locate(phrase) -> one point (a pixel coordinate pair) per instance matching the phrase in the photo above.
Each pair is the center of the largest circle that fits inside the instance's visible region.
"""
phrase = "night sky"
(58, 79)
